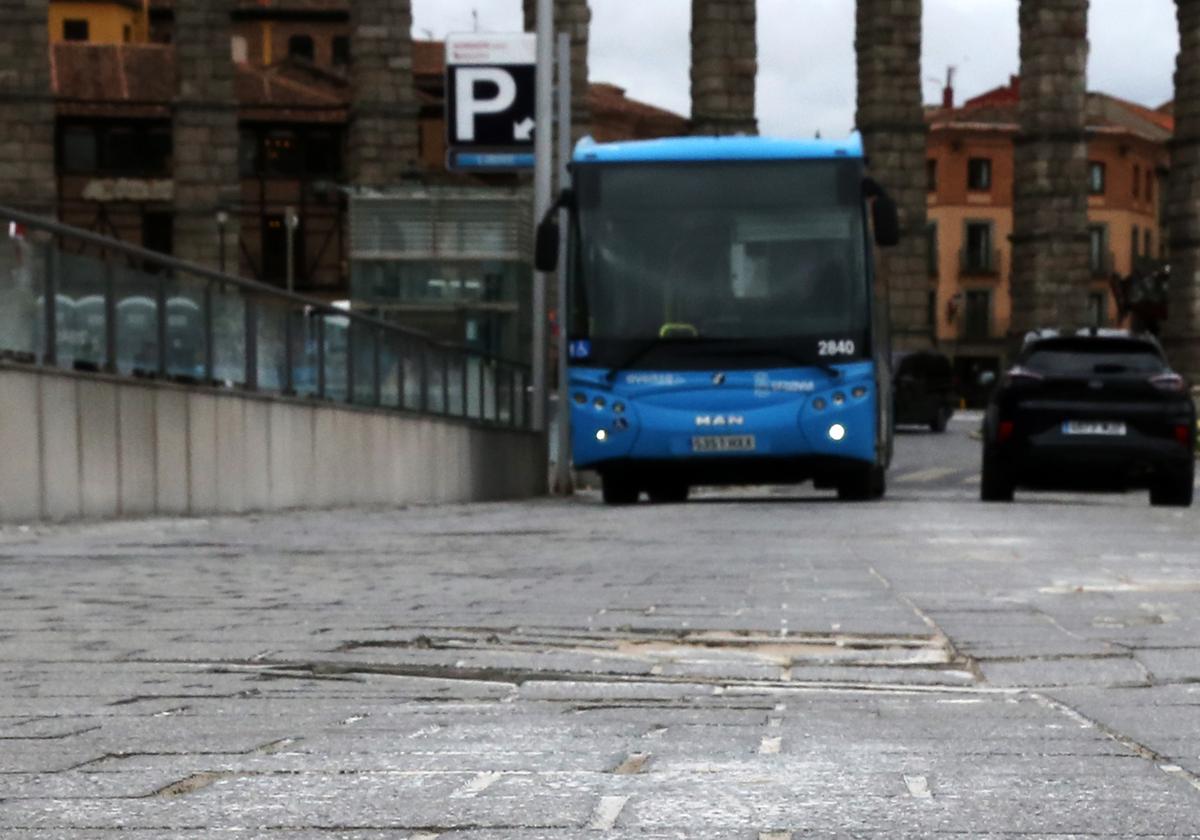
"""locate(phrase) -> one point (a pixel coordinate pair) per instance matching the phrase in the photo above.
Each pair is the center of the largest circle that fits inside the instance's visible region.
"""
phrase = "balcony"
(976, 262)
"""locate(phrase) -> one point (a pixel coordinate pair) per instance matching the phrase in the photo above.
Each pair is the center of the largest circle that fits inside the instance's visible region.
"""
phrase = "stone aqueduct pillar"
(724, 66)
(205, 134)
(1182, 334)
(383, 141)
(891, 119)
(26, 108)
(1050, 270)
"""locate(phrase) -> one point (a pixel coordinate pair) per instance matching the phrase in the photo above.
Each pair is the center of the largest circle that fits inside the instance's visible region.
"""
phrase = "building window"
(1099, 259)
(977, 321)
(1135, 243)
(75, 30)
(300, 46)
(931, 184)
(274, 251)
(931, 249)
(127, 33)
(931, 309)
(341, 51)
(121, 148)
(158, 232)
(1097, 310)
(1149, 185)
(1148, 250)
(1096, 177)
(979, 174)
(1137, 181)
(77, 149)
(290, 152)
(978, 257)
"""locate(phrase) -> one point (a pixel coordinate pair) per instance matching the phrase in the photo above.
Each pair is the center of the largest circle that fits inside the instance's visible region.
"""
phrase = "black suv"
(1094, 411)
(923, 385)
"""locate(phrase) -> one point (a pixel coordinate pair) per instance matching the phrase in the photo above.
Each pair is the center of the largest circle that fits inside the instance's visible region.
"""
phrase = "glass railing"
(77, 300)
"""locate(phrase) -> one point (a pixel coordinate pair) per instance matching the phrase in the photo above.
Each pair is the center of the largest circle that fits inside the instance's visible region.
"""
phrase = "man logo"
(720, 420)
(718, 379)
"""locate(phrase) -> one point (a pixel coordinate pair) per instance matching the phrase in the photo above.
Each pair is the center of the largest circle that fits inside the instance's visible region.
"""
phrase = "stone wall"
(891, 119)
(724, 66)
(1050, 271)
(1182, 334)
(383, 144)
(26, 108)
(206, 134)
(574, 17)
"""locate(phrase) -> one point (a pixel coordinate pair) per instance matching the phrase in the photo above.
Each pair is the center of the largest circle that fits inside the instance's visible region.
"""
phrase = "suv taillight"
(1170, 382)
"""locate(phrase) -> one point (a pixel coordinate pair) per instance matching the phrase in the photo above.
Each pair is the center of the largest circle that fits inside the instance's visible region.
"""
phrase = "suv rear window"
(1064, 358)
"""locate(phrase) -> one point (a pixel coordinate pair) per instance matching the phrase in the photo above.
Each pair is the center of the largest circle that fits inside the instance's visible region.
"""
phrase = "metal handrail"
(255, 294)
(57, 228)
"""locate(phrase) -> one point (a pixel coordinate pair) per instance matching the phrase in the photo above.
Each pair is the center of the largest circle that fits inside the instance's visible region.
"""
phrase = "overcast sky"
(806, 77)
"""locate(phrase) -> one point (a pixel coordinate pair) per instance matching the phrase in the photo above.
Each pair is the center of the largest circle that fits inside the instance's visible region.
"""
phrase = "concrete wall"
(85, 446)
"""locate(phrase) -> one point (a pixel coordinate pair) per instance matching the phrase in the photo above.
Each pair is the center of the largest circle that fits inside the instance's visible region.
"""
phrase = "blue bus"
(722, 323)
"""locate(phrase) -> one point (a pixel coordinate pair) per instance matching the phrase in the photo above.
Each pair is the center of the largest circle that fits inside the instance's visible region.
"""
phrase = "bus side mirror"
(545, 256)
(886, 219)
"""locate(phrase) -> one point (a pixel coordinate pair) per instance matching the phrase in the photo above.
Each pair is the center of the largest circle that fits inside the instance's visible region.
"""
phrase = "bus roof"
(693, 149)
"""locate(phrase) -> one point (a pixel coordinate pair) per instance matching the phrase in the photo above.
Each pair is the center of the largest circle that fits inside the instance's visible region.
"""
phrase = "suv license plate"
(1091, 427)
(723, 443)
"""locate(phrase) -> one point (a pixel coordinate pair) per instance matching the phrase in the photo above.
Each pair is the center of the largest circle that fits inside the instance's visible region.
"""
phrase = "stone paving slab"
(757, 665)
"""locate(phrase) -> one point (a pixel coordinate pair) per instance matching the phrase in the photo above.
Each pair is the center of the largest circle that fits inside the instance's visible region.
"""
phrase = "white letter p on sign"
(468, 106)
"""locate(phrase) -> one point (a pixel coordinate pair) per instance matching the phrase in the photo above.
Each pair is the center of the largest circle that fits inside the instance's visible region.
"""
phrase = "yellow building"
(99, 21)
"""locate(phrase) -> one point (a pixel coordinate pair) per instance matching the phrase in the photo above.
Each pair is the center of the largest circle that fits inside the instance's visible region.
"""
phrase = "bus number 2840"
(835, 348)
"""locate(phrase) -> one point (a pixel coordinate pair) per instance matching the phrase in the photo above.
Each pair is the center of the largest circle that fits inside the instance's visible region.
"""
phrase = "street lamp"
(291, 222)
(222, 220)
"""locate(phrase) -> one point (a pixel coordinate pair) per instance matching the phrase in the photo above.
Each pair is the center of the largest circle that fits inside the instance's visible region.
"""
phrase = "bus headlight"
(601, 435)
(837, 432)
(859, 392)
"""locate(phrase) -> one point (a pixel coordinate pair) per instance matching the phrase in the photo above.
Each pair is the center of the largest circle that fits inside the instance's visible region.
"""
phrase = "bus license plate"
(1092, 427)
(723, 443)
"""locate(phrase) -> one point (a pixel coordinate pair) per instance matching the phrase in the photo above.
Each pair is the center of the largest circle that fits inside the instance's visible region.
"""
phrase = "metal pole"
(209, 354)
(562, 469)
(251, 328)
(377, 361)
(320, 330)
(110, 318)
(289, 359)
(160, 306)
(542, 174)
(290, 221)
(49, 348)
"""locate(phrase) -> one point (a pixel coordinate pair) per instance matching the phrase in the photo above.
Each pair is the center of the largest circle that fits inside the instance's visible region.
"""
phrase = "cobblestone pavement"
(755, 664)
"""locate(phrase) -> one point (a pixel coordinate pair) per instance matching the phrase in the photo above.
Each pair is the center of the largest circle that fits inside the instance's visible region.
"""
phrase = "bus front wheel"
(618, 490)
(862, 485)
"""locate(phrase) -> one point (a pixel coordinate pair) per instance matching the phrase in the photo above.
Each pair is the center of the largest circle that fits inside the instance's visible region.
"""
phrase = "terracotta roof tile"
(140, 80)
(137, 75)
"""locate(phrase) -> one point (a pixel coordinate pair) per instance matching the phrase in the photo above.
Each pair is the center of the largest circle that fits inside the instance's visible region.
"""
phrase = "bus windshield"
(696, 259)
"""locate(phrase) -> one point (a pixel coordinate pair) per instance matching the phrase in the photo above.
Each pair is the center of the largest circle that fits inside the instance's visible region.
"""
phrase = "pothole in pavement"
(705, 655)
